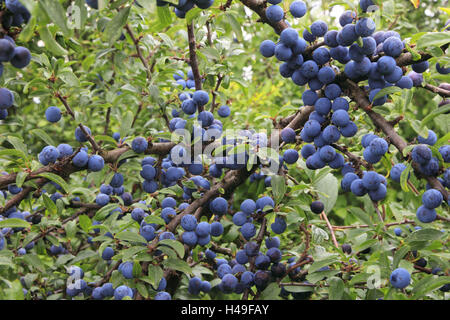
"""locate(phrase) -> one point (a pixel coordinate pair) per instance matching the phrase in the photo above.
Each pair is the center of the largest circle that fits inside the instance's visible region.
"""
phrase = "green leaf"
(18, 144)
(433, 39)
(441, 110)
(130, 237)
(14, 223)
(279, 187)
(386, 91)
(272, 292)
(126, 122)
(164, 16)
(192, 14)
(328, 187)
(104, 211)
(298, 288)
(429, 285)
(336, 288)
(154, 219)
(20, 178)
(323, 263)
(404, 178)
(418, 128)
(44, 136)
(142, 289)
(50, 43)
(177, 264)
(82, 255)
(12, 152)
(71, 229)
(399, 254)
(85, 222)
(57, 179)
(424, 235)
(57, 14)
(155, 274)
(28, 30)
(235, 25)
(33, 260)
(175, 245)
(49, 205)
(361, 215)
(114, 27)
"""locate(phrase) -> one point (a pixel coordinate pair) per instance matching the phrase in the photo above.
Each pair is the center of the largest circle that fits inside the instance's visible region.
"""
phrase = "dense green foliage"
(112, 79)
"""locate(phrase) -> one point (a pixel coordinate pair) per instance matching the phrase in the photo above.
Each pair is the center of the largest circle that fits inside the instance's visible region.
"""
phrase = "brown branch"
(260, 8)
(375, 205)
(216, 248)
(440, 91)
(208, 34)
(439, 217)
(89, 137)
(214, 92)
(359, 96)
(358, 161)
(107, 120)
(193, 58)
(108, 275)
(367, 226)
(139, 51)
(225, 6)
(307, 284)
(137, 113)
(333, 236)
(43, 233)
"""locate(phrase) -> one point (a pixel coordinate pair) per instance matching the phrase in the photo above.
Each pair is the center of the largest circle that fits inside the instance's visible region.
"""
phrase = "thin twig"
(333, 236)
(139, 51)
(193, 57)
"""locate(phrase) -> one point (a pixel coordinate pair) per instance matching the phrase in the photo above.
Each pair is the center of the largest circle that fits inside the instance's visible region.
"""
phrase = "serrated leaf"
(44, 136)
(361, 215)
(57, 179)
(433, 39)
(50, 43)
(104, 211)
(424, 235)
(323, 263)
(386, 91)
(114, 26)
(175, 245)
(14, 223)
(57, 14)
(404, 177)
(429, 285)
(328, 187)
(49, 204)
(399, 254)
(336, 288)
(177, 264)
(418, 128)
(126, 123)
(435, 113)
(155, 274)
(130, 237)
(272, 292)
(85, 222)
(20, 178)
(279, 187)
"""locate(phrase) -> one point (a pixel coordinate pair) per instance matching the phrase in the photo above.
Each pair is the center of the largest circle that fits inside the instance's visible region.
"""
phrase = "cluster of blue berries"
(236, 274)
(375, 148)
(19, 57)
(371, 183)
(16, 15)
(184, 6)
